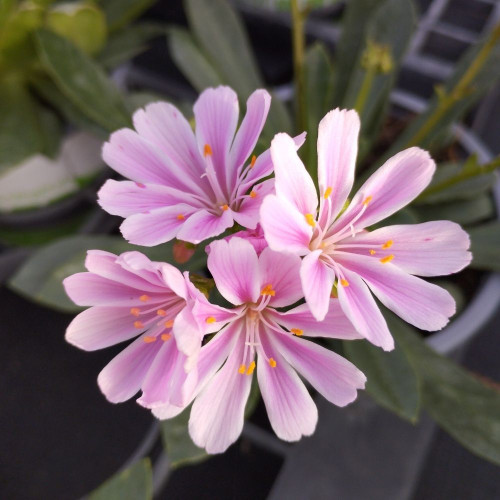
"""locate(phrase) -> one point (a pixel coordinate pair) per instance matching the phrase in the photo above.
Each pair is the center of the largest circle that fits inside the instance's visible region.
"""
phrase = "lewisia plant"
(297, 268)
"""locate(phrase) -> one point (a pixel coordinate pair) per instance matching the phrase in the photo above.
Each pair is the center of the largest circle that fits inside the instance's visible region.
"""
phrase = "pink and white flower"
(256, 335)
(131, 296)
(338, 250)
(185, 185)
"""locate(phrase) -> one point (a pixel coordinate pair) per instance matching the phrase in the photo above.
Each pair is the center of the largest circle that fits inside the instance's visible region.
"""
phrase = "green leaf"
(485, 246)
(82, 81)
(134, 483)
(461, 212)
(460, 402)
(81, 22)
(391, 379)
(21, 132)
(219, 31)
(178, 444)
(126, 44)
(121, 12)
(191, 61)
(40, 278)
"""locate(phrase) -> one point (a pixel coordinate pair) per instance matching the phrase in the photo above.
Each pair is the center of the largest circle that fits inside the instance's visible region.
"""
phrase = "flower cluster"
(304, 265)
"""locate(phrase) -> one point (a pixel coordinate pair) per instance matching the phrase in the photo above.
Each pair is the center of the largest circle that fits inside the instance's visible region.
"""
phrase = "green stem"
(461, 87)
(440, 186)
(364, 91)
(298, 42)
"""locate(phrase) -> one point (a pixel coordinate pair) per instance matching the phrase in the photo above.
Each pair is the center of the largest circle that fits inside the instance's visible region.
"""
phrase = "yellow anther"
(367, 200)
(297, 331)
(169, 323)
(310, 219)
(387, 244)
(242, 369)
(372, 252)
(210, 319)
(138, 324)
(144, 298)
(253, 194)
(344, 282)
(207, 150)
(135, 311)
(268, 290)
(253, 160)
(328, 192)
(166, 336)
(272, 363)
(161, 312)
(180, 217)
(225, 207)
(149, 339)
(251, 368)
(386, 259)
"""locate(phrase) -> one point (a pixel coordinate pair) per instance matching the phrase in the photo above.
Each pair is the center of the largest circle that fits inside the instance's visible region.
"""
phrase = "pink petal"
(164, 125)
(399, 181)
(139, 160)
(126, 198)
(216, 114)
(248, 213)
(167, 411)
(100, 327)
(122, 377)
(293, 183)
(422, 304)
(203, 225)
(219, 316)
(217, 414)
(330, 374)
(290, 408)
(251, 127)
(281, 271)
(360, 307)
(337, 150)
(317, 283)
(187, 333)
(235, 268)
(284, 226)
(336, 325)
(156, 227)
(429, 249)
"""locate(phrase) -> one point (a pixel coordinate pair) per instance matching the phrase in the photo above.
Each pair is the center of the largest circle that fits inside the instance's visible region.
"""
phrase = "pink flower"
(254, 236)
(256, 335)
(134, 297)
(338, 250)
(185, 185)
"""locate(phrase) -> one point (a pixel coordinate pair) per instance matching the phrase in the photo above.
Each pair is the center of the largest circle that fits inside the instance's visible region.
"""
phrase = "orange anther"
(135, 311)
(242, 369)
(138, 324)
(272, 363)
(207, 150)
(144, 298)
(344, 282)
(149, 339)
(251, 368)
(252, 162)
(268, 290)
(169, 323)
(210, 319)
(372, 252)
(165, 336)
(297, 331)
(180, 217)
(161, 312)
(225, 207)
(328, 192)
(387, 244)
(253, 194)
(386, 259)
(367, 200)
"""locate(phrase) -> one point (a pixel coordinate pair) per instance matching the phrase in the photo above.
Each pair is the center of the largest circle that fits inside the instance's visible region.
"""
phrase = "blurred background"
(59, 437)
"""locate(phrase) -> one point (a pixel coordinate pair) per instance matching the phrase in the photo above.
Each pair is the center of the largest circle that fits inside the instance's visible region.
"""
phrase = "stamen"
(140, 185)
(210, 319)
(253, 194)
(344, 282)
(242, 369)
(180, 217)
(387, 244)
(268, 290)
(165, 337)
(169, 323)
(138, 324)
(252, 162)
(328, 192)
(149, 339)
(144, 298)
(225, 207)
(251, 368)
(135, 311)
(272, 363)
(386, 259)
(310, 219)
(367, 200)
(161, 312)
(372, 252)
(297, 331)
(207, 150)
